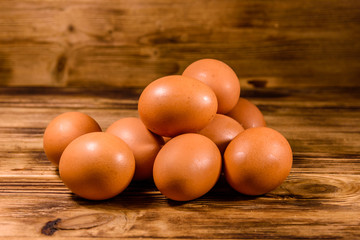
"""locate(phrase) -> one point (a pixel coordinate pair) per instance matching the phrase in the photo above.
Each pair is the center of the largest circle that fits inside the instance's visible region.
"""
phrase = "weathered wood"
(131, 43)
(319, 200)
(307, 207)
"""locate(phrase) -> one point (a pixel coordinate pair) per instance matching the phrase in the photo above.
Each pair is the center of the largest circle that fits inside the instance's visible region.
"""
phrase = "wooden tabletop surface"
(319, 200)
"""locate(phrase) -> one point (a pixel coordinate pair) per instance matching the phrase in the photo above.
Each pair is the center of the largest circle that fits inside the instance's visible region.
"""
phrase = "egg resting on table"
(144, 144)
(63, 129)
(257, 161)
(97, 166)
(187, 167)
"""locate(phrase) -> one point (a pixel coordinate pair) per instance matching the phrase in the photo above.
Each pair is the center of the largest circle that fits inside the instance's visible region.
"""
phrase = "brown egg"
(220, 77)
(144, 144)
(221, 130)
(175, 104)
(247, 114)
(63, 129)
(257, 161)
(187, 167)
(97, 166)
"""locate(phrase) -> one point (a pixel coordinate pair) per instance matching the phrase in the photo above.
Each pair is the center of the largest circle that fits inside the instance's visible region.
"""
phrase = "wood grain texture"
(131, 43)
(319, 200)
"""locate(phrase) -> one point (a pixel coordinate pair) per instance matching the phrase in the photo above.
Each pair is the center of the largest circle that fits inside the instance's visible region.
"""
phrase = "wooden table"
(319, 200)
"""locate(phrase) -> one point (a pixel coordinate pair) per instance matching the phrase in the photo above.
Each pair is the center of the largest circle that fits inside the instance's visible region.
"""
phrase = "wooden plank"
(122, 43)
(308, 206)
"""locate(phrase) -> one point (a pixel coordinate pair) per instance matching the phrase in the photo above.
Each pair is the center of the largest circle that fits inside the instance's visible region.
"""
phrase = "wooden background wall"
(132, 42)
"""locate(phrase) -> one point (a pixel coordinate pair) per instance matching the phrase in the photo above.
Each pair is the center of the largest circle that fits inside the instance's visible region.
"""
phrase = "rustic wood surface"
(132, 42)
(319, 200)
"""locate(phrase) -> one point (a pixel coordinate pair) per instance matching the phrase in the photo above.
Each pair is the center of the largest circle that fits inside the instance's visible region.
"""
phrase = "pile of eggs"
(191, 128)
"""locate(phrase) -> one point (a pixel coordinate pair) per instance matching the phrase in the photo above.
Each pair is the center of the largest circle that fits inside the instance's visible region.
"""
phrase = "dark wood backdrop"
(132, 42)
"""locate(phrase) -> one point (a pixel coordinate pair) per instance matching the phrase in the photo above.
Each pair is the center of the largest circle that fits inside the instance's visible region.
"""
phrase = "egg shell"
(187, 167)
(257, 161)
(144, 144)
(63, 129)
(97, 166)
(220, 77)
(175, 104)
(221, 130)
(247, 114)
